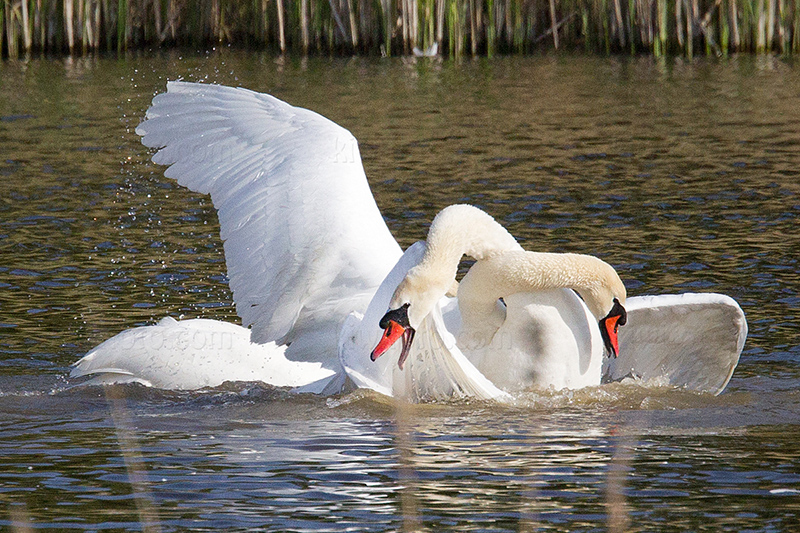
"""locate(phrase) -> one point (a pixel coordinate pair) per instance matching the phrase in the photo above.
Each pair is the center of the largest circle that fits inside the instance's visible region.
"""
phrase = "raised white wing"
(686, 340)
(304, 241)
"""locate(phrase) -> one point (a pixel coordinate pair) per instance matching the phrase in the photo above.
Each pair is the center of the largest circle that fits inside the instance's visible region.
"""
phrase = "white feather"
(436, 369)
(304, 241)
(192, 354)
(686, 340)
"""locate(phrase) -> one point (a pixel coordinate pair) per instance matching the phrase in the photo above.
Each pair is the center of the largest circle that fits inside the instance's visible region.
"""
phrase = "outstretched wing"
(196, 353)
(305, 243)
(688, 340)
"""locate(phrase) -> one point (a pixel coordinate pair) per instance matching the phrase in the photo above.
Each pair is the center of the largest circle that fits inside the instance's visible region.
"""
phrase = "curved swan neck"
(504, 274)
(463, 229)
(460, 230)
(456, 231)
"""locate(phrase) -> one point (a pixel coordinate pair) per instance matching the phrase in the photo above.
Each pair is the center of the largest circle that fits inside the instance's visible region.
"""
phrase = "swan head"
(606, 300)
(413, 300)
(609, 327)
(395, 325)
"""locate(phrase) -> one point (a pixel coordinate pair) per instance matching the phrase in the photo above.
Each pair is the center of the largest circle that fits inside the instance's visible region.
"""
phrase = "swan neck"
(456, 231)
(461, 230)
(502, 275)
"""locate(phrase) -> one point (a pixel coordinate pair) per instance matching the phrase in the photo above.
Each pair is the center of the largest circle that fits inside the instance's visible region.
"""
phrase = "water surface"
(683, 175)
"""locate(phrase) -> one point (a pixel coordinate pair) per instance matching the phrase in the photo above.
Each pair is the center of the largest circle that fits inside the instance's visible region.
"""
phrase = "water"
(681, 174)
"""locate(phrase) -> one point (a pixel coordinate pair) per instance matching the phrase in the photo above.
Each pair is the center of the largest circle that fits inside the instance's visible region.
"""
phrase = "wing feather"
(304, 241)
(690, 340)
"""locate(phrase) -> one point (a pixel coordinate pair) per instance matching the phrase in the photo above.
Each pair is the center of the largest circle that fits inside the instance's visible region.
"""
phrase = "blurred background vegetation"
(401, 27)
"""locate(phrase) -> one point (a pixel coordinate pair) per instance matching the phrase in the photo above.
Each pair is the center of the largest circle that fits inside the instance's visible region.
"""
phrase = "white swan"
(539, 336)
(307, 252)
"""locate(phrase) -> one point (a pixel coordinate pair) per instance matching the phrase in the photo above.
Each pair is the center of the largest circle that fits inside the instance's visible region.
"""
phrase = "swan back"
(548, 339)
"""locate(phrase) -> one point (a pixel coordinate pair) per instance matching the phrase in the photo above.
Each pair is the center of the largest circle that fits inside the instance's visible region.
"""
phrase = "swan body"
(548, 339)
(313, 269)
(435, 368)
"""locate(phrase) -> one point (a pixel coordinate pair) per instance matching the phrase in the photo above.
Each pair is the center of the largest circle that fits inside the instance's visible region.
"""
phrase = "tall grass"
(458, 27)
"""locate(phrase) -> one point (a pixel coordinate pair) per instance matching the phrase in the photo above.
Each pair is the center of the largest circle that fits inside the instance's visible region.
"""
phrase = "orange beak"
(609, 328)
(395, 325)
(390, 335)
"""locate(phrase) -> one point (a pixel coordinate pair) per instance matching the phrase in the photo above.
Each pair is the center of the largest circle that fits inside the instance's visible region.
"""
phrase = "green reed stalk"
(387, 10)
(771, 11)
(660, 27)
(796, 30)
(281, 26)
(473, 28)
(12, 31)
(691, 22)
(554, 23)
(724, 36)
(344, 26)
(304, 22)
(619, 25)
(351, 13)
(452, 25)
(630, 16)
(586, 29)
(735, 35)
(122, 25)
(439, 25)
(26, 20)
(405, 17)
(519, 28)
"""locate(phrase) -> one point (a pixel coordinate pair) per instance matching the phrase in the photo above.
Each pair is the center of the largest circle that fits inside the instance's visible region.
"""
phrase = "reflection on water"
(246, 458)
(681, 174)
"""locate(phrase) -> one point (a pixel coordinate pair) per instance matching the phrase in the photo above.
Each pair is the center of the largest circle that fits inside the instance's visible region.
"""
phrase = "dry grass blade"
(132, 457)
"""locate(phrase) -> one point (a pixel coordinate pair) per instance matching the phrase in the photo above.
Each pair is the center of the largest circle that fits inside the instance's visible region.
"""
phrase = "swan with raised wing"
(313, 269)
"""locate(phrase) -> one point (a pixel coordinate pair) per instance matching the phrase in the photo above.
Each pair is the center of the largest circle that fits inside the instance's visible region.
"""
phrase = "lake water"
(683, 175)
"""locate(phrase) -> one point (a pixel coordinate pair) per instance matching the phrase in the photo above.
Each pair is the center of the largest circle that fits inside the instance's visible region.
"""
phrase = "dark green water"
(684, 175)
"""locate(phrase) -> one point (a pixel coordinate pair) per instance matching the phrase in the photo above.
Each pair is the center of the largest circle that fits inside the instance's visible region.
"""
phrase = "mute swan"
(543, 340)
(313, 268)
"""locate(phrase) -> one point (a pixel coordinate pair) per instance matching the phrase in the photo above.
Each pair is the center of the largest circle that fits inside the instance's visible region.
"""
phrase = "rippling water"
(684, 175)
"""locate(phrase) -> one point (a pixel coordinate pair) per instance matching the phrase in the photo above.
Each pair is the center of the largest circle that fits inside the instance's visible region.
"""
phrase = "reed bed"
(399, 27)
